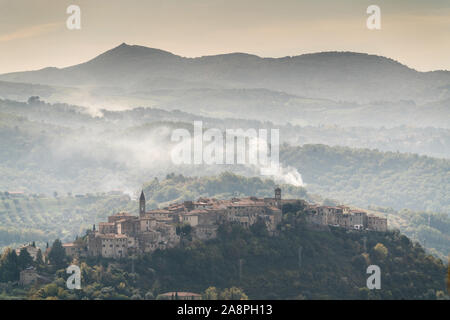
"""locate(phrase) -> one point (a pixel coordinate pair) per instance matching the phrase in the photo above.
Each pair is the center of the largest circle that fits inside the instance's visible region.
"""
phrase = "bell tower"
(142, 204)
(278, 197)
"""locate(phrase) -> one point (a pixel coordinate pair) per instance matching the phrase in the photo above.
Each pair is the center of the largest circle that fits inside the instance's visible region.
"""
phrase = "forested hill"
(302, 264)
(430, 228)
(369, 177)
(299, 263)
(43, 218)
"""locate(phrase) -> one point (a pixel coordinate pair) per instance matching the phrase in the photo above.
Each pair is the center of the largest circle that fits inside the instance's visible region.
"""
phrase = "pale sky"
(33, 34)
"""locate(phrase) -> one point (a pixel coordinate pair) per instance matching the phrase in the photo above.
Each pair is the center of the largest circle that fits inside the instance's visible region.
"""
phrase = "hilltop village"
(125, 234)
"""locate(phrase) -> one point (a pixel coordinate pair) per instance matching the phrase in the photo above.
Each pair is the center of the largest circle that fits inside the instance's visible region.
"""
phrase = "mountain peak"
(135, 49)
(126, 54)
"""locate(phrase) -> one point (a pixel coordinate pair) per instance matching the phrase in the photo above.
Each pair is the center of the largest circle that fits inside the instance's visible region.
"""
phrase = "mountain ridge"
(338, 76)
(126, 48)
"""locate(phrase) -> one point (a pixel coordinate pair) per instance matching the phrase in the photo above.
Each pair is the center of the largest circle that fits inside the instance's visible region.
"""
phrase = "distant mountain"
(340, 76)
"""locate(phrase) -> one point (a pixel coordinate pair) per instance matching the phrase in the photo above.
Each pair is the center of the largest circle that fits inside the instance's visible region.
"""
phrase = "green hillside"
(41, 218)
(300, 263)
(366, 177)
(332, 265)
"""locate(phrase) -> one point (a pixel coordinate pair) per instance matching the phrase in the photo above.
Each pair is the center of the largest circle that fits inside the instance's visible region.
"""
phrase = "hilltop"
(300, 263)
(44, 218)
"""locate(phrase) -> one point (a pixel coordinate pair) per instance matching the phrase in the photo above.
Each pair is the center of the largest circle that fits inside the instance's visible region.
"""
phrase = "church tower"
(142, 204)
(278, 197)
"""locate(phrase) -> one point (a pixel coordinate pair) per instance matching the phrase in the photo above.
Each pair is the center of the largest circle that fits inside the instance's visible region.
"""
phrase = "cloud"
(28, 32)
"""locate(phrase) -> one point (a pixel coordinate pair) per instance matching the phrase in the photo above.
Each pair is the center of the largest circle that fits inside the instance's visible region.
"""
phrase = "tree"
(24, 260)
(293, 207)
(39, 260)
(259, 228)
(233, 293)
(381, 250)
(57, 254)
(184, 231)
(9, 269)
(211, 294)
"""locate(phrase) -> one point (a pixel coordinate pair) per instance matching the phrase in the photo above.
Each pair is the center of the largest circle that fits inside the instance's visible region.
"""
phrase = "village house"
(30, 276)
(75, 249)
(344, 217)
(32, 250)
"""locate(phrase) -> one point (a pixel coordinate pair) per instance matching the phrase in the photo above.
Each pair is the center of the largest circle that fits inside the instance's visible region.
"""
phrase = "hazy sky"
(33, 34)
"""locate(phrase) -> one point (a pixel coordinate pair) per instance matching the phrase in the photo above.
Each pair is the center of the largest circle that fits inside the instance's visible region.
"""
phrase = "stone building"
(75, 249)
(30, 276)
(124, 234)
(108, 245)
(376, 223)
(344, 217)
(32, 250)
(157, 229)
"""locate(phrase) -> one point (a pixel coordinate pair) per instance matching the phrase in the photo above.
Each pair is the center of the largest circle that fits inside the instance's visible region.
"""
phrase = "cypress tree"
(24, 260)
(9, 266)
(57, 254)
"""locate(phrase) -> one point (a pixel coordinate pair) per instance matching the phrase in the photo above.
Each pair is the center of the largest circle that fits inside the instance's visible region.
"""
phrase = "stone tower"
(142, 204)
(278, 197)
